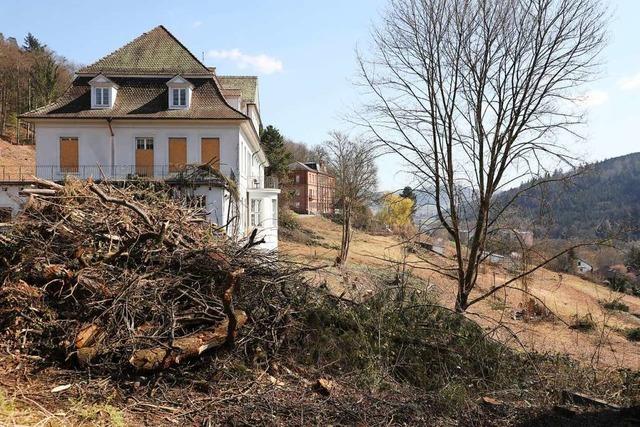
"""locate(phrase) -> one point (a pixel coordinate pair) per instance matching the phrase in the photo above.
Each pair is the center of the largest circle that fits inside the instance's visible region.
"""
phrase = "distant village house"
(583, 267)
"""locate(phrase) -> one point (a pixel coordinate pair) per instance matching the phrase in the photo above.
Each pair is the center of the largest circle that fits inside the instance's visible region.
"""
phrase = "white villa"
(151, 109)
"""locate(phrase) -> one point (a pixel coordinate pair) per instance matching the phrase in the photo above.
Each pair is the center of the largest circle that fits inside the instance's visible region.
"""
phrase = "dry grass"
(17, 155)
(24, 411)
(566, 295)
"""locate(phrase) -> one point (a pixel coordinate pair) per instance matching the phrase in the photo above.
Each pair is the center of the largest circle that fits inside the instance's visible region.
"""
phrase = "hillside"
(83, 339)
(604, 197)
(566, 295)
(12, 156)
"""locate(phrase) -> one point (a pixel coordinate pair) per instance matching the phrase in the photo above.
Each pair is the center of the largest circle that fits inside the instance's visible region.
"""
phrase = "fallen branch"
(108, 199)
(187, 347)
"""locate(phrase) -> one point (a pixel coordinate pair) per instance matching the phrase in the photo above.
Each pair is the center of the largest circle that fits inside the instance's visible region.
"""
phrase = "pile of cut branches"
(129, 278)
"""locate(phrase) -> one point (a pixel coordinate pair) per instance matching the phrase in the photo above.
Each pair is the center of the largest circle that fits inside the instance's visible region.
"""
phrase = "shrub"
(633, 334)
(404, 335)
(287, 219)
(583, 323)
(615, 305)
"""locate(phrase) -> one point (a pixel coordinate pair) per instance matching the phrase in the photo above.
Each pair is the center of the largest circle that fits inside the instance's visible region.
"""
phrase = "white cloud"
(197, 24)
(630, 83)
(262, 63)
(593, 98)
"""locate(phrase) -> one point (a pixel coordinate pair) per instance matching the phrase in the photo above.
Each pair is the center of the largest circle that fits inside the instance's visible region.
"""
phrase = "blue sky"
(303, 51)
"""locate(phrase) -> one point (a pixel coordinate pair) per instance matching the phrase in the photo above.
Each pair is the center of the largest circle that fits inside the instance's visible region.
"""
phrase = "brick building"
(313, 188)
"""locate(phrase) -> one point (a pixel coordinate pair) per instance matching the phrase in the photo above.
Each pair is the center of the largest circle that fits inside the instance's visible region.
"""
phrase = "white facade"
(96, 146)
(109, 149)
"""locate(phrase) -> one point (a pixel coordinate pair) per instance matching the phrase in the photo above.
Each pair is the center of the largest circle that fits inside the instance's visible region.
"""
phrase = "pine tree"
(407, 193)
(32, 44)
(44, 77)
(274, 147)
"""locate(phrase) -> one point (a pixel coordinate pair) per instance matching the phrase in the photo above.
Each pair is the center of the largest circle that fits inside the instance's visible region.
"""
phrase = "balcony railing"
(123, 172)
(266, 182)
(116, 172)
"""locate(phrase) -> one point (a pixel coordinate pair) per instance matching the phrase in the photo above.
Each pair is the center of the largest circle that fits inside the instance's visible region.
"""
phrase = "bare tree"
(473, 95)
(352, 161)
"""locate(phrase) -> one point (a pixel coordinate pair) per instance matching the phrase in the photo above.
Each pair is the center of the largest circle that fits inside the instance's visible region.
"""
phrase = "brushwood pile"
(119, 278)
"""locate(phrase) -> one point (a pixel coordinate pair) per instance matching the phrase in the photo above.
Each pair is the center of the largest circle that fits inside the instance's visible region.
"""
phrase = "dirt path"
(566, 296)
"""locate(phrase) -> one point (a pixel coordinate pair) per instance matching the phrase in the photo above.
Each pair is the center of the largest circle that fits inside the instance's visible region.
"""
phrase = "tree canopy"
(396, 210)
(273, 144)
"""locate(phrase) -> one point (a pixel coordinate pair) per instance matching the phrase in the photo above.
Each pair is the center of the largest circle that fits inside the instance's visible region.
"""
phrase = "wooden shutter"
(69, 155)
(144, 157)
(177, 154)
(210, 152)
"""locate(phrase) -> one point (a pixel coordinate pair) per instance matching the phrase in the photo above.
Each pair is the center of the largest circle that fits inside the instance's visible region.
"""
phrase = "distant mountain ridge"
(602, 198)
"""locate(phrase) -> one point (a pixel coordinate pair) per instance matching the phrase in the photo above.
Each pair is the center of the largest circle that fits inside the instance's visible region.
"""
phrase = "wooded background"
(31, 75)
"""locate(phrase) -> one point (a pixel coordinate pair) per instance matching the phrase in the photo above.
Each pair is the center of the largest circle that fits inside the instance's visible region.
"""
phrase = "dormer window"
(179, 93)
(179, 98)
(102, 96)
(103, 92)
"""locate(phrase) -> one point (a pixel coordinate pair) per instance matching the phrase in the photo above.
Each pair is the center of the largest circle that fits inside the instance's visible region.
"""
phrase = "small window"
(297, 179)
(179, 97)
(102, 97)
(144, 143)
(255, 215)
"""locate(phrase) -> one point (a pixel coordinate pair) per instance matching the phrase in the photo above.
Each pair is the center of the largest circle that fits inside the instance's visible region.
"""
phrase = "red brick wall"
(313, 193)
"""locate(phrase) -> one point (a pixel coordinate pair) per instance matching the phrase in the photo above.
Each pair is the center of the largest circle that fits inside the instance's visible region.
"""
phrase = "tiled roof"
(139, 98)
(154, 52)
(305, 166)
(248, 86)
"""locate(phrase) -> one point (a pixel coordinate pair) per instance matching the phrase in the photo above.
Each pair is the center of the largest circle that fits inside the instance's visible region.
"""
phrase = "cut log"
(87, 335)
(87, 342)
(186, 347)
(38, 191)
(46, 183)
(227, 302)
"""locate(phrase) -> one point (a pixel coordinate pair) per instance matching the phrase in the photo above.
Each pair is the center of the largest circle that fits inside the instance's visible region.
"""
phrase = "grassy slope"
(566, 296)
(13, 157)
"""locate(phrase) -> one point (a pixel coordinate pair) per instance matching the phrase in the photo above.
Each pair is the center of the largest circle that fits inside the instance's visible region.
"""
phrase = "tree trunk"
(462, 301)
(346, 234)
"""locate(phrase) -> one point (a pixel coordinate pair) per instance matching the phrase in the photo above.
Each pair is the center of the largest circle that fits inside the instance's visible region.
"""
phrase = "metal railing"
(266, 182)
(57, 173)
(117, 172)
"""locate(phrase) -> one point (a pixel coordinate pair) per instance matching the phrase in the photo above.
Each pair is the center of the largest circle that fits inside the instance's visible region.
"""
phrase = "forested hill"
(604, 197)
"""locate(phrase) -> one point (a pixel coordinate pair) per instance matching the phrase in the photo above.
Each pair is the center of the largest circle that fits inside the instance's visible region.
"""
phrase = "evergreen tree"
(407, 193)
(32, 44)
(274, 147)
(44, 77)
